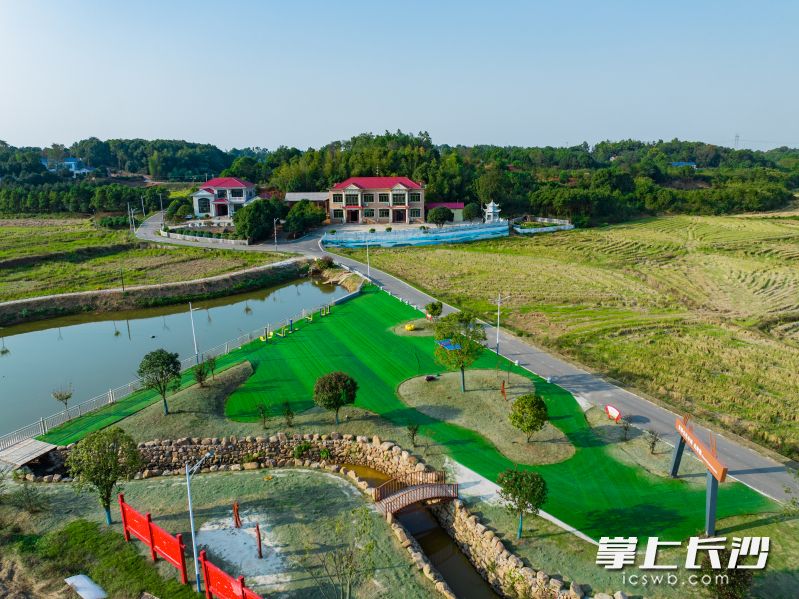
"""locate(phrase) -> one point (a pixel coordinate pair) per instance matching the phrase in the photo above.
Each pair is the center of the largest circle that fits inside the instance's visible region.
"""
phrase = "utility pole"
(500, 299)
(161, 200)
(368, 264)
(194, 335)
(274, 228)
(143, 211)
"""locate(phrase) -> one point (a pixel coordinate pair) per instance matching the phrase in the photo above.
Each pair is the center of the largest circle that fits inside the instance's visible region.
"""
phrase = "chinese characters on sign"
(616, 552)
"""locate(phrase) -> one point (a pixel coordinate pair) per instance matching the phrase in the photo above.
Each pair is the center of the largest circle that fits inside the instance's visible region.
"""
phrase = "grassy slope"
(75, 272)
(592, 491)
(713, 298)
(275, 498)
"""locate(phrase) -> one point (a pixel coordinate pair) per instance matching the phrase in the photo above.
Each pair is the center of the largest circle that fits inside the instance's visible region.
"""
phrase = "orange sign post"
(716, 471)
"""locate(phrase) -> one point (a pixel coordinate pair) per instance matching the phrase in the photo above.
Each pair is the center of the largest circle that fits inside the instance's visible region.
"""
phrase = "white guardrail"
(43, 425)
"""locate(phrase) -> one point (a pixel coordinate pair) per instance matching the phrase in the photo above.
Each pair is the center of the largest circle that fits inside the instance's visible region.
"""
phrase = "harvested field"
(715, 299)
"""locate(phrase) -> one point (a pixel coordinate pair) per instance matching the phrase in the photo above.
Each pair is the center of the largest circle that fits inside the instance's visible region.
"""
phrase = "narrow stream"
(439, 547)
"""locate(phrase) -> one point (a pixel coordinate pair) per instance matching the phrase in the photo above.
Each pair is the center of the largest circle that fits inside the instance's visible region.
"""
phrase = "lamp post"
(189, 473)
(274, 228)
(500, 299)
(161, 199)
(368, 264)
(194, 334)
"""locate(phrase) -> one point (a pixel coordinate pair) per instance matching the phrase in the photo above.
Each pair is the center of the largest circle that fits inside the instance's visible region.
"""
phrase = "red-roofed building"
(222, 196)
(376, 200)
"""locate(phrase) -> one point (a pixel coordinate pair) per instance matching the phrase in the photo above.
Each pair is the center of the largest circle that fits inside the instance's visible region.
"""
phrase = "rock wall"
(505, 571)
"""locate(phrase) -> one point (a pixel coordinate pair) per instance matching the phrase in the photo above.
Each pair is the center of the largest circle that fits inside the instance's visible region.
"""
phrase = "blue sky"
(303, 73)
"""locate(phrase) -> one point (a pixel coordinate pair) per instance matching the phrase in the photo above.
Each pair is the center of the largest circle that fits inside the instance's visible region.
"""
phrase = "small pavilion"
(492, 211)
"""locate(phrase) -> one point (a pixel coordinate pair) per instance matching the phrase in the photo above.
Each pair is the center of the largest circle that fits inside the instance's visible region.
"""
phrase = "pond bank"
(145, 296)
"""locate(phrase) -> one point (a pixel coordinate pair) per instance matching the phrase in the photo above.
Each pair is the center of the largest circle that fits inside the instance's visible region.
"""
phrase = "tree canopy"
(464, 336)
(440, 215)
(523, 491)
(100, 460)
(335, 390)
(158, 371)
(302, 216)
(529, 414)
(256, 221)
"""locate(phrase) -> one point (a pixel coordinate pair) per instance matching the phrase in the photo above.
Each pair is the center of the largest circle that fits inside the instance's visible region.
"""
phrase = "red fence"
(160, 542)
(221, 584)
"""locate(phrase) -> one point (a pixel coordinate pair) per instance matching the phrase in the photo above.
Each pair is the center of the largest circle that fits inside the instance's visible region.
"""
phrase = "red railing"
(219, 583)
(395, 485)
(160, 542)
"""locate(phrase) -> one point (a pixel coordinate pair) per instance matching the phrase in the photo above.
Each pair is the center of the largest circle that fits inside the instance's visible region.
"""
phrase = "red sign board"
(702, 451)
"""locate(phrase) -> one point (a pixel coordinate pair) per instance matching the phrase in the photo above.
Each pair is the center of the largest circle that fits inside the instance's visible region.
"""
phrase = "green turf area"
(699, 312)
(72, 254)
(592, 491)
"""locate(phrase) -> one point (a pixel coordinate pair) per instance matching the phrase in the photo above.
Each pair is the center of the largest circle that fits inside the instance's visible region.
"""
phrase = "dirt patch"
(16, 583)
(421, 328)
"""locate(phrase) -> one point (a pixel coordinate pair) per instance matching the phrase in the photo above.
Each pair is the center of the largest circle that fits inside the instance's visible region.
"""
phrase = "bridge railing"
(395, 485)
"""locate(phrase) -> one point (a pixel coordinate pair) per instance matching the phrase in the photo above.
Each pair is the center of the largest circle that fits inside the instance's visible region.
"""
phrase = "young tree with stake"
(524, 492)
(101, 460)
(158, 371)
(465, 339)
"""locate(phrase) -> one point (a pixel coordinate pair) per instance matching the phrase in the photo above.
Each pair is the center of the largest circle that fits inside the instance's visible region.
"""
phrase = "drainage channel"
(438, 546)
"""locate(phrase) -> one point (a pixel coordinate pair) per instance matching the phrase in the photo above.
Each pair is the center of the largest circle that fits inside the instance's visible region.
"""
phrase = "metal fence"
(411, 237)
(43, 425)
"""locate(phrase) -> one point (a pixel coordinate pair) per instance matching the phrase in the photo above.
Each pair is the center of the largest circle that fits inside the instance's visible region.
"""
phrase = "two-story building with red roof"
(222, 196)
(376, 200)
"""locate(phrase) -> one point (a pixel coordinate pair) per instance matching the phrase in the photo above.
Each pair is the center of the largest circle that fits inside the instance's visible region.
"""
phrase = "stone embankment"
(145, 296)
(506, 572)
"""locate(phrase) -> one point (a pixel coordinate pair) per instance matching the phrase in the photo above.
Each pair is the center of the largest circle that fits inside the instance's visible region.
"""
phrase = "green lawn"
(593, 491)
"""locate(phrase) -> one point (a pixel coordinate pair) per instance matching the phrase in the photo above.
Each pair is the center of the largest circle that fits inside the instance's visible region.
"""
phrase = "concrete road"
(758, 471)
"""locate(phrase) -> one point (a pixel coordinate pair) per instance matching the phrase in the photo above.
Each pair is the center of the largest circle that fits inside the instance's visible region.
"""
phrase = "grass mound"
(481, 408)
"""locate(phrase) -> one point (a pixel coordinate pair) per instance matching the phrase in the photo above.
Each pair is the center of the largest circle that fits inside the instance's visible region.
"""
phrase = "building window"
(338, 214)
(337, 197)
(368, 198)
(397, 199)
(221, 193)
(236, 193)
(369, 213)
(416, 213)
(416, 197)
(382, 197)
(351, 199)
(203, 206)
(383, 213)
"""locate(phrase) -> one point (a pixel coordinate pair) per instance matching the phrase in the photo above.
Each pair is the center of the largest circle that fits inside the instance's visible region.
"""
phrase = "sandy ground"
(237, 546)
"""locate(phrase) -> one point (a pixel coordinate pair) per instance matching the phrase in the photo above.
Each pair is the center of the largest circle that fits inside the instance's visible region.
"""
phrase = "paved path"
(746, 465)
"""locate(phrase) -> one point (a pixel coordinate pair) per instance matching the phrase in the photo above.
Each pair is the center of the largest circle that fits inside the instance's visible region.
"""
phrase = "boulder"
(250, 466)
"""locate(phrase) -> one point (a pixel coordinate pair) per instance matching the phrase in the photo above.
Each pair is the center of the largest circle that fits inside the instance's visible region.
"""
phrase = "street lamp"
(368, 264)
(500, 299)
(274, 228)
(194, 334)
(161, 199)
(189, 473)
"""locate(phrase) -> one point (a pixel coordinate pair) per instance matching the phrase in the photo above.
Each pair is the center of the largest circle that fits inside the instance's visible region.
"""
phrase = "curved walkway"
(753, 469)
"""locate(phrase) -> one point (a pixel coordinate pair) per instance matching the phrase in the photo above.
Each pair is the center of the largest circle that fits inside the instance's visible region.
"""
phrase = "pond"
(91, 353)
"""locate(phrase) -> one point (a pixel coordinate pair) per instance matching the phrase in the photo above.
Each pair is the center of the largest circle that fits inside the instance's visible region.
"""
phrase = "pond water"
(92, 353)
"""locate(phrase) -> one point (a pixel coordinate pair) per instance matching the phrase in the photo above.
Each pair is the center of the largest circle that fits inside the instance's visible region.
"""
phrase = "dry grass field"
(700, 312)
(71, 254)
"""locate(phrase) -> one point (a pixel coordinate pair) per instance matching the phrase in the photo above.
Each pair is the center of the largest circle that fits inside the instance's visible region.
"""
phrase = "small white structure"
(222, 196)
(492, 212)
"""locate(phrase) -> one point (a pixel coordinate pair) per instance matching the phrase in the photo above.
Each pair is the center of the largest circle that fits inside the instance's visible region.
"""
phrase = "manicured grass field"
(592, 491)
(71, 254)
(714, 299)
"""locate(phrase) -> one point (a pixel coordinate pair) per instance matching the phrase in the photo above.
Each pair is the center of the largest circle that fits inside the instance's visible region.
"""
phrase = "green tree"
(434, 309)
(288, 414)
(524, 492)
(334, 390)
(440, 215)
(158, 371)
(183, 211)
(465, 336)
(63, 396)
(472, 211)
(256, 220)
(529, 414)
(210, 363)
(302, 216)
(201, 372)
(413, 429)
(100, 460)
(492, 185)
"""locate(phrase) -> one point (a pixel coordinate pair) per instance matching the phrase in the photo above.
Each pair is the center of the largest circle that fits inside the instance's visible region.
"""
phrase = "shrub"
(388, 229)
(184, 210)
(372, 230)
(301, 449)
(324, 453)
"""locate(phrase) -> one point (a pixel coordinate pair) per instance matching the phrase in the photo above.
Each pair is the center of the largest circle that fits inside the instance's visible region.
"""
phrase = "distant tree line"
(610, 181)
